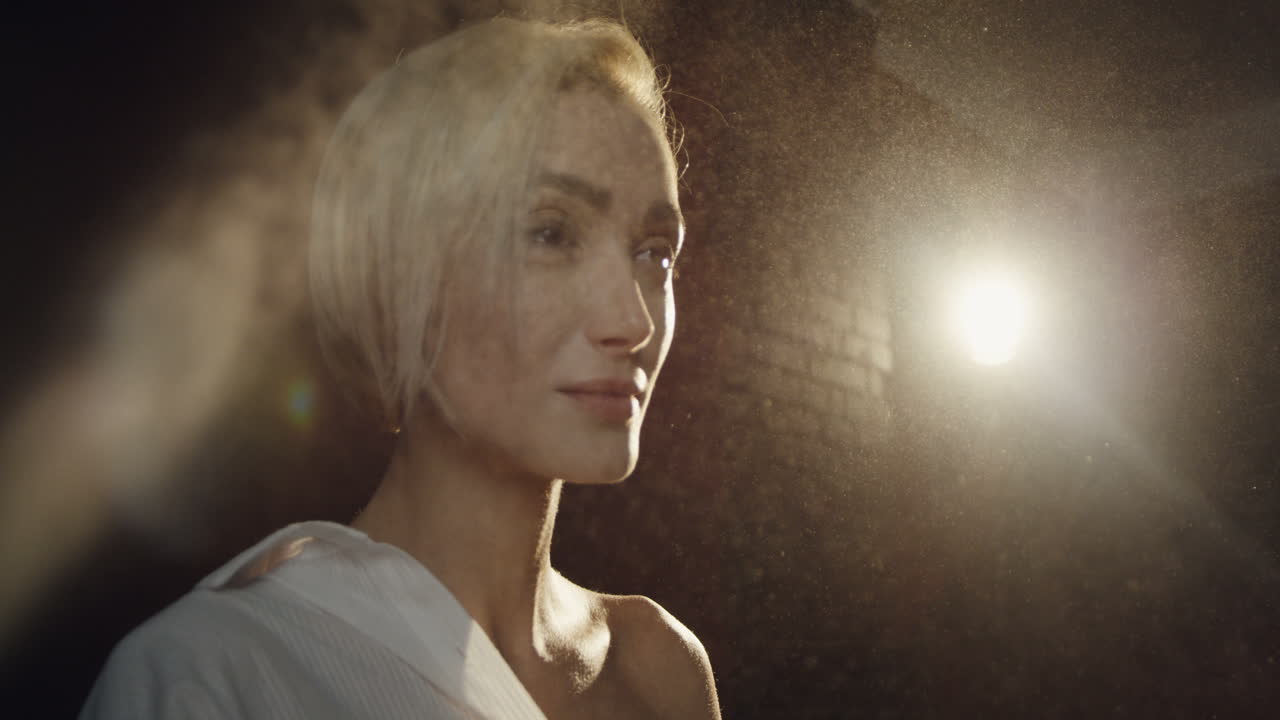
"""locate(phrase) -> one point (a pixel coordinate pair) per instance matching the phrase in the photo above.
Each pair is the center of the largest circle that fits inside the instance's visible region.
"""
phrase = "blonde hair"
(422, 181)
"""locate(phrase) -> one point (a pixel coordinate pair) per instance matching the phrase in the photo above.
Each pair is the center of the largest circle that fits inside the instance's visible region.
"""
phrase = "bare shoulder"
(661, 660)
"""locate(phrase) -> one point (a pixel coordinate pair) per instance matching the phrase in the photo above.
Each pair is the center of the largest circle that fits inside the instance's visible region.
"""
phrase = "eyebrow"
(600, 198)
(664, 212)
(594, 195)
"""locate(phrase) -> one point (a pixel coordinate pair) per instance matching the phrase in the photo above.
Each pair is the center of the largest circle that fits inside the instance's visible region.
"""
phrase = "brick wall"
(774, 406)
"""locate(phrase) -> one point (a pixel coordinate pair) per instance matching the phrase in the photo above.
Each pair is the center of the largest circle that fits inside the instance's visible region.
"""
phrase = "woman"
(494, 231)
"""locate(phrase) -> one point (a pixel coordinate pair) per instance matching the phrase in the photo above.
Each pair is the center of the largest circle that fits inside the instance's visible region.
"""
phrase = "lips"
(614, 400)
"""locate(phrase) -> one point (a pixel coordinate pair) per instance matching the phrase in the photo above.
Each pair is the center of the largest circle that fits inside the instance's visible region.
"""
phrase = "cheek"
(545, 312)
(669, 312)
(475, 365)
(663, 312)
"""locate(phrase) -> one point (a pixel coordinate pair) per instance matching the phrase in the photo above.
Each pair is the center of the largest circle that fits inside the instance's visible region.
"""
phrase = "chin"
(592, 457)
(605, 469)
(610, 474)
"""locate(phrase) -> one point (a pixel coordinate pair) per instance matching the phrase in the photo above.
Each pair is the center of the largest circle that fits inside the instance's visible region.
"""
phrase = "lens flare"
(301, 403)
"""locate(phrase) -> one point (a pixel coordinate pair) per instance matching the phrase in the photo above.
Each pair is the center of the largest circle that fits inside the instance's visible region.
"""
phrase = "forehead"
(612, 144)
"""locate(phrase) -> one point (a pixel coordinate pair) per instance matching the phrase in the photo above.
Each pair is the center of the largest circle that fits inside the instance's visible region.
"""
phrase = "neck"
(481, 528)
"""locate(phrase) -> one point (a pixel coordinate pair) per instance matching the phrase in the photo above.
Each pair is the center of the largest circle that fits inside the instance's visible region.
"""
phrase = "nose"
(619, 321)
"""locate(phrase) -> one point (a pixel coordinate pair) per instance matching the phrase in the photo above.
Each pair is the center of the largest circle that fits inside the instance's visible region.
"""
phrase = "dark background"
(1090, 530)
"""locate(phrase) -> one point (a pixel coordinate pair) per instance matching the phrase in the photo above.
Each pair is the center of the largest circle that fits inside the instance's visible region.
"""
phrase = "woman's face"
(557, 382)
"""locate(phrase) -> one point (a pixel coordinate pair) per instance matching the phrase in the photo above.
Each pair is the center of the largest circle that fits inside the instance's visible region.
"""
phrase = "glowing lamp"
(989, 314)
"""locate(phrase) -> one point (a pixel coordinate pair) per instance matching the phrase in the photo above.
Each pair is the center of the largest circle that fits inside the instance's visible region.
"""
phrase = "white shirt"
(316, 621)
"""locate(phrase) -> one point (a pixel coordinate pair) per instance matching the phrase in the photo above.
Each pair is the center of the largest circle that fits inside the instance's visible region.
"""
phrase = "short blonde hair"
(423, 177)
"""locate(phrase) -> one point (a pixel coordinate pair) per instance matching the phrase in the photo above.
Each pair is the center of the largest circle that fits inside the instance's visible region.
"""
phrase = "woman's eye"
(662, 257)
(552, 236)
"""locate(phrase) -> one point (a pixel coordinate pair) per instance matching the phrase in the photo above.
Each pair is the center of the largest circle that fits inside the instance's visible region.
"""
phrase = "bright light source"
(990, 314)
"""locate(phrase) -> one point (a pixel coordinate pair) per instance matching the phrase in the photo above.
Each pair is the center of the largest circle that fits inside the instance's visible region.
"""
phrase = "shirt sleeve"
(112, 699)
(146, 678)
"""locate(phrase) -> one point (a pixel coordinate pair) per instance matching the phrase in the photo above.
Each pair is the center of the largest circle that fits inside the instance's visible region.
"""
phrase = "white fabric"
(346, 628)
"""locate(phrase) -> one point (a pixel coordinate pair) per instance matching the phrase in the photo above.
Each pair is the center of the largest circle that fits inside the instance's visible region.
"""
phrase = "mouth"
(610, 400)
